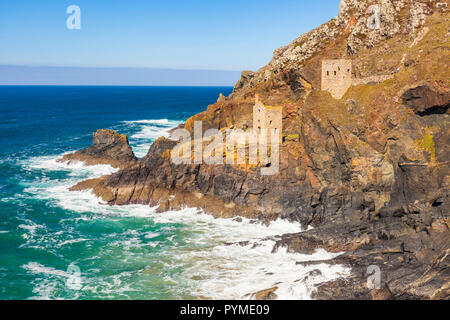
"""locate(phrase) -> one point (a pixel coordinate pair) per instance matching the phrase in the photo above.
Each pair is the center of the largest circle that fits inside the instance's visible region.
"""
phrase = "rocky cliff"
(369, 171)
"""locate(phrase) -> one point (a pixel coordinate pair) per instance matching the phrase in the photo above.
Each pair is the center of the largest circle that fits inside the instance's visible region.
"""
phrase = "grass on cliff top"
(324, 107)
(431, 58)
(377, 104)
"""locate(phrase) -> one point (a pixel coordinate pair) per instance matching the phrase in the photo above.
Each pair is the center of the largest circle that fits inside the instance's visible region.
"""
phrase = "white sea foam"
(236, 271)
(63, 243)
(75, 168)
(151, 235)
(147, 132)
(150, 133)
(48, 281)
(31, 228)
(154, 121)
(214, 263)
(37, 268)
(141, 149)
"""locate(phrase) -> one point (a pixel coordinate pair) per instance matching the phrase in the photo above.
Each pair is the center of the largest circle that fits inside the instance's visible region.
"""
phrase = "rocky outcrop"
(108, 147)
(413, 266)
(410, 252)
(427, 99)
(369, 171)
(268, 294)
(155, 180)
(245, 81)
(346, 35)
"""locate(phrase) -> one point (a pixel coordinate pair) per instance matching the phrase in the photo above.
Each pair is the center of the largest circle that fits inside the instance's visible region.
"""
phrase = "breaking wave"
(186, 254)
(144, 132)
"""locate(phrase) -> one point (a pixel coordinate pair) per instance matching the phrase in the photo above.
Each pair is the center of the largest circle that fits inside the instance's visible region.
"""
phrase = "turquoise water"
(56, 244)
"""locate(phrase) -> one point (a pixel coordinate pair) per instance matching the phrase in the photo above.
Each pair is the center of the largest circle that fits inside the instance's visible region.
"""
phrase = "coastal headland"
(364, 160)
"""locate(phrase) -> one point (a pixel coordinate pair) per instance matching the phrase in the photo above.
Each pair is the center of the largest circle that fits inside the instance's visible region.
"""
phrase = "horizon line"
(119, 67)
(115, 76)
(115, 85)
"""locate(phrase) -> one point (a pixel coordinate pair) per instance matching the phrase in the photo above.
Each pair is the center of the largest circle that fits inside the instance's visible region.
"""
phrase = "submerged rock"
(267, 294)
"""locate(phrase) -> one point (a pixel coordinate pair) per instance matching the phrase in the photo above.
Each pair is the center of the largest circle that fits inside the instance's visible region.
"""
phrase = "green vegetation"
(291, 137)
(426, 143)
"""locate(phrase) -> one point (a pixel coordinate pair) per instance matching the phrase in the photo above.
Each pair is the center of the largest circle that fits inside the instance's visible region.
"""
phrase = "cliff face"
(387, 140)
(369, 171)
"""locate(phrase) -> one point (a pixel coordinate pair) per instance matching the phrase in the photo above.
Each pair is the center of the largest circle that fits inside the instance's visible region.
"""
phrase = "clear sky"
(196, 34)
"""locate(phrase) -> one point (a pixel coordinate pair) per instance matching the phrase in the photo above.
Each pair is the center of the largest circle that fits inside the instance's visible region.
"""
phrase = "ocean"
(56, 244)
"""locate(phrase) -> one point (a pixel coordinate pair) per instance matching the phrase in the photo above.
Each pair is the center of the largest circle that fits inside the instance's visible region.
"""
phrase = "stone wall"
(337, 77)
(373, 79)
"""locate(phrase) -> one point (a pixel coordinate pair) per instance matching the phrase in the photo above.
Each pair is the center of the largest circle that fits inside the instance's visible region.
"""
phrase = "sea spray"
(205, 256)
(147, 131)
(120, 257)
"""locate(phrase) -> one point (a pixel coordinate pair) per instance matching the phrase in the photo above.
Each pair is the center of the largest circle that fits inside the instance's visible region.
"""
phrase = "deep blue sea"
(56, 244)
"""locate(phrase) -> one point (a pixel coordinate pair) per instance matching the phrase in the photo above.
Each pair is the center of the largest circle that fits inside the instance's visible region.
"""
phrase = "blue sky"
(196, 34)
